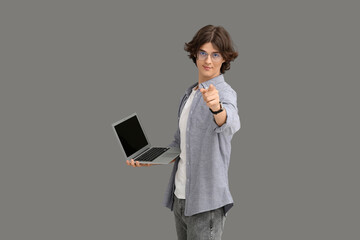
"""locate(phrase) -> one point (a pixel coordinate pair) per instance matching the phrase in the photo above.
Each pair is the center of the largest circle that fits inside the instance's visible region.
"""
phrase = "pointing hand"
(211, 97)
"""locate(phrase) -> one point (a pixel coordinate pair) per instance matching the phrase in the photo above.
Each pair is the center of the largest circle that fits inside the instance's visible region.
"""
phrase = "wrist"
(218, 109)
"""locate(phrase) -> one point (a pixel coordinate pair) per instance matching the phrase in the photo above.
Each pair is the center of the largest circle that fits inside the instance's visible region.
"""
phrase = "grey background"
(71, 68)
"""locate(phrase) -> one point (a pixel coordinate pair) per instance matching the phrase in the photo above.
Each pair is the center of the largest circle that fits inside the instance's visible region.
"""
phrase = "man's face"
(208, 62)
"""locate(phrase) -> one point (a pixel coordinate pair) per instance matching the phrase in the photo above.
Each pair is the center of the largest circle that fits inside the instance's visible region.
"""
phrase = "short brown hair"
(218, 36)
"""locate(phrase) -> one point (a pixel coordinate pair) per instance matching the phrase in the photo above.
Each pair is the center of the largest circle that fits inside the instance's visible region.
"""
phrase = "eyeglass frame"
(207, 54)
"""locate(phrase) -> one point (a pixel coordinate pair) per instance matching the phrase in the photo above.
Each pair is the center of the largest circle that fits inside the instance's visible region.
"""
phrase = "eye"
(216, 55)
(202, 53)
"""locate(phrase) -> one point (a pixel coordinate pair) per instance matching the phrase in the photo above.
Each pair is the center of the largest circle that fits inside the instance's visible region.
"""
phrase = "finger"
(213, 103)
(211, 87)
(132, 163)
(210, 98)
(213, 94)
(149, 164)
(203, 90)
(138, 164)
(213, 91)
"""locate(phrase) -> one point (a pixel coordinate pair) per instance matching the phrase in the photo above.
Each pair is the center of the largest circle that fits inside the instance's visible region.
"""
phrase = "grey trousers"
(201, 226)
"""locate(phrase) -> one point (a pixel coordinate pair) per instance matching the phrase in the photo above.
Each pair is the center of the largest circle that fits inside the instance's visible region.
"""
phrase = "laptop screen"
(131, 136)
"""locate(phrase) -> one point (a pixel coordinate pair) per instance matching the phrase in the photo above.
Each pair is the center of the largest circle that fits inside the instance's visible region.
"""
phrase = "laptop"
(135, 144)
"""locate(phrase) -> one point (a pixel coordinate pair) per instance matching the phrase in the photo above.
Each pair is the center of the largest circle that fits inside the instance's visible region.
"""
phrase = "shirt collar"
(214, 81)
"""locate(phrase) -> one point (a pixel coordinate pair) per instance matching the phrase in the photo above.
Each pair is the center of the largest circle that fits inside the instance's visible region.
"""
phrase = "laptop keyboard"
(151, 154)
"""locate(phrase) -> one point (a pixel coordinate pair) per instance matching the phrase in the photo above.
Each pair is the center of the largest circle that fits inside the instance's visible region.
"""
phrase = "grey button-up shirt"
(208, 151)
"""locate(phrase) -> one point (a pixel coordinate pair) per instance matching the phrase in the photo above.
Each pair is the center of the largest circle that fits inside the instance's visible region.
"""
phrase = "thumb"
(202, 90)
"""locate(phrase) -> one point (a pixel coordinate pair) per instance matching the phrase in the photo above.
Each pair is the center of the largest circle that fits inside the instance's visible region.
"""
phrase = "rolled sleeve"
(232, 123)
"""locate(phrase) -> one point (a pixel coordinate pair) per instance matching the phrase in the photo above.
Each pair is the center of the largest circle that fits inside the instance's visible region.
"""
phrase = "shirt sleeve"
(176, 141)
(232, 123)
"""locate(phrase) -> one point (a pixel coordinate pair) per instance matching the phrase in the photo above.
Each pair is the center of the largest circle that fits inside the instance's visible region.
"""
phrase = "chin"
(208, 74)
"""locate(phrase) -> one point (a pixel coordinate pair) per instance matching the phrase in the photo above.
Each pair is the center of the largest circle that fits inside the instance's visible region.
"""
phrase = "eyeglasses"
(202, 55)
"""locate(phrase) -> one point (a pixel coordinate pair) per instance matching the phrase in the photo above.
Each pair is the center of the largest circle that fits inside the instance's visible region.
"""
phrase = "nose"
(208, 59)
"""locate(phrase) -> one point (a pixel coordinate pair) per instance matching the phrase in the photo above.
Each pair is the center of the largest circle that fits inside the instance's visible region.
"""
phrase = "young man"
(198, 190)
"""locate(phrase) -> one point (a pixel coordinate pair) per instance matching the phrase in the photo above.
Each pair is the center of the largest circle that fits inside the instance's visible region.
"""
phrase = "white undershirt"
(180, 177)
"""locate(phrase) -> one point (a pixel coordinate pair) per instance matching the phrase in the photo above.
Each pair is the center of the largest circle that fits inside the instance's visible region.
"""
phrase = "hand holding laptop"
(137, 164)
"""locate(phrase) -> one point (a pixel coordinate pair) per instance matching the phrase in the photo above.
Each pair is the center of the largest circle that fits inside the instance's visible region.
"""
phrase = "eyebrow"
(206, 51)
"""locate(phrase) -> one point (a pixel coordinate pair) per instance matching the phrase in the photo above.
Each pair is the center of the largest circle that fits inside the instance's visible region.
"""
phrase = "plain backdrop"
(69, 69)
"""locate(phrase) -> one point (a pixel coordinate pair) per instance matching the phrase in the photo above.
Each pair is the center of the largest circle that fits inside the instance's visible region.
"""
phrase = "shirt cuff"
(217, 128)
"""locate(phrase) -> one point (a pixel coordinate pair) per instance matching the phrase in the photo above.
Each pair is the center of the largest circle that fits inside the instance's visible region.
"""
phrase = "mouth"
(206, 68)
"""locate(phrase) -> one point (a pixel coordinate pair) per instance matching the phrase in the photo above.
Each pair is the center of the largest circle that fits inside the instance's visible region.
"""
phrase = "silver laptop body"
(134, 142)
